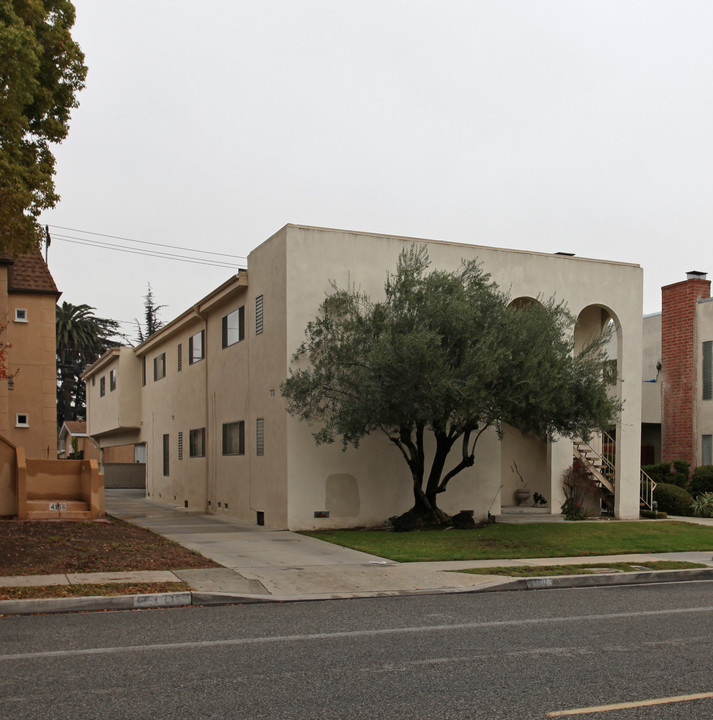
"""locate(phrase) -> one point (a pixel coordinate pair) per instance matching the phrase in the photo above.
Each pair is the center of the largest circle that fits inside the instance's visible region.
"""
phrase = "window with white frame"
(234, 438)
(707, 450)
(234, 326)
(196, 351)
(140, 453)
(22, 420)
(21, 315)
(197, 443)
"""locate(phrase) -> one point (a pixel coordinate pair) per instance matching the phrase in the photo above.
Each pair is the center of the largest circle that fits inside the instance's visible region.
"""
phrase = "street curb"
(40, 606)
(37, 606)
(602, 580)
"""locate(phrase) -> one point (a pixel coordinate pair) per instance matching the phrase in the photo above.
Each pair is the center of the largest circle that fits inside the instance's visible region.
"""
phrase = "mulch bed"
(56, 546)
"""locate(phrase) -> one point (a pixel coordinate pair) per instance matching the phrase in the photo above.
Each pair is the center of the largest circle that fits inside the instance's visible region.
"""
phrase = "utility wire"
(146, 242)
(146, 253)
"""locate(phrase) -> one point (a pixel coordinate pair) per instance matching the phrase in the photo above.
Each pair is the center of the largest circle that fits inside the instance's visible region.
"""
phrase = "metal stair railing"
(605, 472)
(599, 466)
(646, 491)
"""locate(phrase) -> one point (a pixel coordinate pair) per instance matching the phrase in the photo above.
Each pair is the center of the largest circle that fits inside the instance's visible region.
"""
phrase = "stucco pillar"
(628, 429)
(559, 458)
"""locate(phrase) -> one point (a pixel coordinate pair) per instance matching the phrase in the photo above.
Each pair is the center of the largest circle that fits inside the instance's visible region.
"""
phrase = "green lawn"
(599, 568)
(526, 541)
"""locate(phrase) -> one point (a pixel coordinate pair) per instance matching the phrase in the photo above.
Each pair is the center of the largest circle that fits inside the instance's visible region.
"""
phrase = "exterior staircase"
(601, 469)
(58, 489)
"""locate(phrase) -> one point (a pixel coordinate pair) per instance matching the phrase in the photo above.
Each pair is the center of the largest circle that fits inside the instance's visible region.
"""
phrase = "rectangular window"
(260, 436)
(102, 386)
(22, 420)
(159, 366)
(708, 370)
(20, 315)
(707, 450)
(143, 371)
(197, 443)
(195, 347)
(112, 379)
(180, 357)
(140, 453)
(166, 447)
(180, 446)
(258, 314)
(234, 327)
(234, 438)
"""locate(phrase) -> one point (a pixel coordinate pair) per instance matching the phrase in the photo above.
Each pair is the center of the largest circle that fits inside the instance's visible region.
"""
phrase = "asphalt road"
(510, 655)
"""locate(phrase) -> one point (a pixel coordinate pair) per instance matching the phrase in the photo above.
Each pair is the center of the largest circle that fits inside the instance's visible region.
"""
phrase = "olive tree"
(444, 353)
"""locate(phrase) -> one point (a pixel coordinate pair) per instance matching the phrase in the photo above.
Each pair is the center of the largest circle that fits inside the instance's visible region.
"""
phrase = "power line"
(146, 242)
(146, 253)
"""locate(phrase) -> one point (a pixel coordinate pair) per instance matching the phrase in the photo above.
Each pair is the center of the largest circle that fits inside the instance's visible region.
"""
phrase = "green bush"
(703, 505)
(673, 499)
(702, 480)
(661, 473)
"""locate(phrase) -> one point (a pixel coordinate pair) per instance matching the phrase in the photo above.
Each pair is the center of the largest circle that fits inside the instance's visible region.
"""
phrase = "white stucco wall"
(317, 256)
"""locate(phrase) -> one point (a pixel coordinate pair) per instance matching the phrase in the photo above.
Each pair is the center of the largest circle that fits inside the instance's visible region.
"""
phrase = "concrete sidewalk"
(263, 565)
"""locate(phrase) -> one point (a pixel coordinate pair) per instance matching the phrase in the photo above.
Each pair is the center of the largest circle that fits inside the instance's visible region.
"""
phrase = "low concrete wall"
(8, 478)
(125, 475)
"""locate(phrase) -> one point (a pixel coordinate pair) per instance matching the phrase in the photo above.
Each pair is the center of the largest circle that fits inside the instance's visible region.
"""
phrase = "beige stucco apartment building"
(200, 400)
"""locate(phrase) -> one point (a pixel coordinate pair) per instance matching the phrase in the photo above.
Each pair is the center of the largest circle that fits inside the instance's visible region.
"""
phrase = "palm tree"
(81, 339)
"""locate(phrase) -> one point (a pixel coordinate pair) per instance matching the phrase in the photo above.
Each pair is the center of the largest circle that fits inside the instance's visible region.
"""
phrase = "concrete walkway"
(262, 565)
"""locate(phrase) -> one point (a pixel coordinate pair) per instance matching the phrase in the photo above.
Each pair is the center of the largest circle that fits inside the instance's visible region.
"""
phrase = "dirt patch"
(48, 547)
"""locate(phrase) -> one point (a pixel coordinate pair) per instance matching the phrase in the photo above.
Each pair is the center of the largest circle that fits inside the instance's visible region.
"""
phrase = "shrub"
(673, 499)
(661, 473)
(702, 480)
(579, 487)
(703, 505)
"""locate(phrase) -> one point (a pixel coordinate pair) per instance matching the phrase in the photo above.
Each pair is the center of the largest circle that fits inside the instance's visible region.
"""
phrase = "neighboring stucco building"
(677, 411)
(28, 401)
(74, 441)
(200, 400)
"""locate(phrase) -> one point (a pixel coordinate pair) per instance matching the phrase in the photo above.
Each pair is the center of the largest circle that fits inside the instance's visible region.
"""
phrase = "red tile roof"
(28, 273)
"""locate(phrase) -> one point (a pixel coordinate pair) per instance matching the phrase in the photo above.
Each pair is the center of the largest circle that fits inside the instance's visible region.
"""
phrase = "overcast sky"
(541, 125)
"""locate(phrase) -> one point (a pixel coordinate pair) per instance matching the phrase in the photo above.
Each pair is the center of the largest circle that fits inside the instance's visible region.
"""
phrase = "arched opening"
(598, 454)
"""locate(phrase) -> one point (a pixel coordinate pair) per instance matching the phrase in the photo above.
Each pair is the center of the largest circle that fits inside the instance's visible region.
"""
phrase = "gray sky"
(541, 125)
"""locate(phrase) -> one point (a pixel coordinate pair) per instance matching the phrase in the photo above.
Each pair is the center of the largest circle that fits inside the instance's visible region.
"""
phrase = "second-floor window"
(196, 351)
(112, 379)
(102, 386)
(159, 366)
(234, 327)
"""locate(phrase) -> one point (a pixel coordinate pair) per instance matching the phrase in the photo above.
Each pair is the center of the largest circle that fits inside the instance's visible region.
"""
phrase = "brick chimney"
(678, 366)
